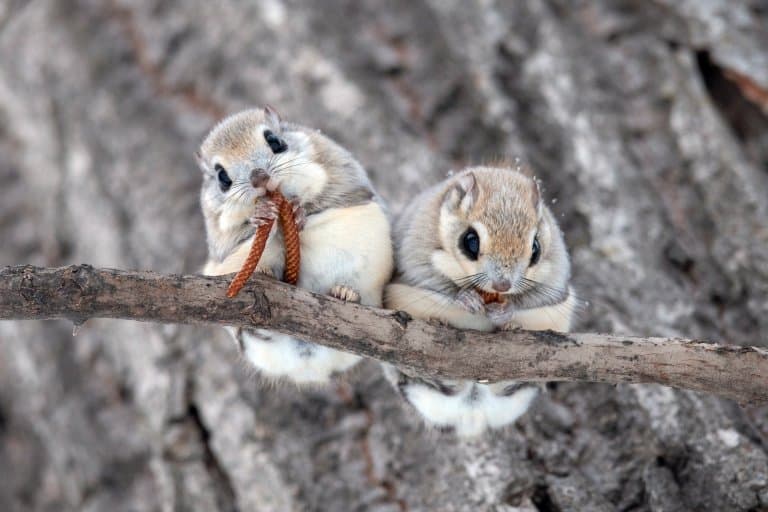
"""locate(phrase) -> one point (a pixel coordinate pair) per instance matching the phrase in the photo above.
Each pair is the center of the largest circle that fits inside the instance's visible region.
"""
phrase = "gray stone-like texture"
(641, 118)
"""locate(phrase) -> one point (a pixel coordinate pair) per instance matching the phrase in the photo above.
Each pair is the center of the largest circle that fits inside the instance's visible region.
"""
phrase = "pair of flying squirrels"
(484, 229)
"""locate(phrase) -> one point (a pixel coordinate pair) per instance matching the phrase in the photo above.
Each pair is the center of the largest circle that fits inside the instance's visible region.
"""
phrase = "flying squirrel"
(484, 231)
(346, 249)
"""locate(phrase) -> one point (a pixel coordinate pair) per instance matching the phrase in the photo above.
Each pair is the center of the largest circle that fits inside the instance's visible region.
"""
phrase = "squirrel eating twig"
(292, 251)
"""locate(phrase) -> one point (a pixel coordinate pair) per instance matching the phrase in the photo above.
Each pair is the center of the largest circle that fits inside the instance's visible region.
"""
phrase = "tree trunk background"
(647, 121)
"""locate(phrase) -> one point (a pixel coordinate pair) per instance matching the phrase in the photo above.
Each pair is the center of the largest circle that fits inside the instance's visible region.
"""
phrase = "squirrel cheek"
(541, 272)
(233, 216)
(305, 181)
(448, 265)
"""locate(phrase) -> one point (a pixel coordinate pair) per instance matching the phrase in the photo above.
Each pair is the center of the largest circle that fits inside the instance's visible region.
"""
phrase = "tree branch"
(81, 292)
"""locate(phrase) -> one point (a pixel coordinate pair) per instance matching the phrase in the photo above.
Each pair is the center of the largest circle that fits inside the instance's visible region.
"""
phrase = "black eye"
(224, 180)
(276, 144)
(470, 244)
(536, 252)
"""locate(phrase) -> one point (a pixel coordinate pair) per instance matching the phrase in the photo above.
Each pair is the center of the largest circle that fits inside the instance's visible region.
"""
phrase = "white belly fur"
(471, 411)
(340, 246)
(470, 416)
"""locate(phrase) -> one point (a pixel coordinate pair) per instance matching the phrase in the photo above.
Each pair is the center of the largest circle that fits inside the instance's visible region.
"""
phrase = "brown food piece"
(490, 297)
(292, 246)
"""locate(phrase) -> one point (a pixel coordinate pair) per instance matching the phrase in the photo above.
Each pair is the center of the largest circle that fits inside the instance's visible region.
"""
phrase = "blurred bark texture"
(647, 121)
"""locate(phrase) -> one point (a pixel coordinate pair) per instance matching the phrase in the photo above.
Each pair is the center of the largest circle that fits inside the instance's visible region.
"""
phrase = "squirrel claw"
(272, 184)
(264, 212)
(511, 326)
(499, 314)
(266, 271)
(471, 301)
(299, 214)
(346, 293)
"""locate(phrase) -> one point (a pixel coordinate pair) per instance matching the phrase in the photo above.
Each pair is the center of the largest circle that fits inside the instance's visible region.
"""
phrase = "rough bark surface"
(80, 292)
(647, 122)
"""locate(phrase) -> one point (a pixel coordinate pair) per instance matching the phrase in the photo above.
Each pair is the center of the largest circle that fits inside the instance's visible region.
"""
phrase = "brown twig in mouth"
(292, 246)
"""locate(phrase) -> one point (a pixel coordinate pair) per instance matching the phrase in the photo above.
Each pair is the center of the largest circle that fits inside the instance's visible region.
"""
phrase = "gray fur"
(314, 172)
(238, 137)
(416, 237)
(509, 205)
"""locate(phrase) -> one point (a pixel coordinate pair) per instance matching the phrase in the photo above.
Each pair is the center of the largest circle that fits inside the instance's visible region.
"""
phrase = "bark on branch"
(81, 292)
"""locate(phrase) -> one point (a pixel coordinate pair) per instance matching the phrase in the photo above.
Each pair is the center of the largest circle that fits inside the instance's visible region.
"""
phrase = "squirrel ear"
(464, 192)
(272, 118)
(536, 195)
(199, 159)
(468, 189)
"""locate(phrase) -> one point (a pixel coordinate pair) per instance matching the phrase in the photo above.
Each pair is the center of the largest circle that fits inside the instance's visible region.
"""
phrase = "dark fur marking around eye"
(275, 143)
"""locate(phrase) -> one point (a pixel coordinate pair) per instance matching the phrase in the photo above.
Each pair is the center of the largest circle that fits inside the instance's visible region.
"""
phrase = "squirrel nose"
(259, 178)
(502, 285)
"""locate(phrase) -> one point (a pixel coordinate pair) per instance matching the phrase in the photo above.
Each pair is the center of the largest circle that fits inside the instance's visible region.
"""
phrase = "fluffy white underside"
(340, 246)
(473, 410)
(277, 355)
(476, 407)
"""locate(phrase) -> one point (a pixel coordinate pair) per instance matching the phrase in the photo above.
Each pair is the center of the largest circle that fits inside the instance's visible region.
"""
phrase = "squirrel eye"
(470, 244)
(276, 144)
(224, 180)
(536, 251)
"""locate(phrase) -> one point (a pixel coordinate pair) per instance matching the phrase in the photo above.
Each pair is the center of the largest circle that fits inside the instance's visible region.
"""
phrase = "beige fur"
(505, 209)
(331, 243)
(430, 305)
(346, 248)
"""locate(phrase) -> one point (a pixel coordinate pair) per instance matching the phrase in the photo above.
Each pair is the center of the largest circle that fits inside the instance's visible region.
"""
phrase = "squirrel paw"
(264, 212)
(272, 184)
(346, 293)
(299, 214)
(267, 271)
(471, 301)
(499, 313)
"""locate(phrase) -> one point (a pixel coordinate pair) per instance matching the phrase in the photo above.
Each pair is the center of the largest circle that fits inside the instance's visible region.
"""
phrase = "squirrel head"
(252, 142)
(498, 236)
